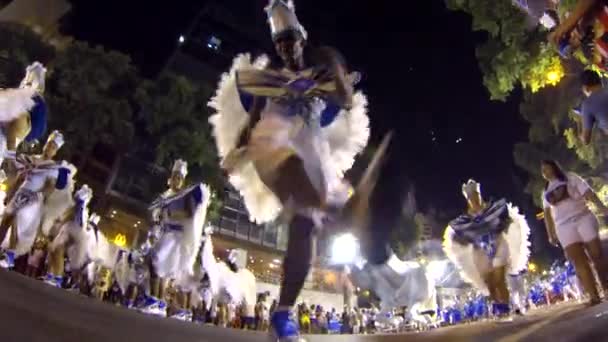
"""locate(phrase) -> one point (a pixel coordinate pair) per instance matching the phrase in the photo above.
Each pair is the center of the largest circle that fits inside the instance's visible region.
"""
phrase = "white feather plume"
(517, 240)
(463, 257)
(15, 102)
(58, 202)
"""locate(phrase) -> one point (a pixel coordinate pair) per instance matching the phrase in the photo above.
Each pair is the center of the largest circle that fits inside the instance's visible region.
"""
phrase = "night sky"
(420, 73)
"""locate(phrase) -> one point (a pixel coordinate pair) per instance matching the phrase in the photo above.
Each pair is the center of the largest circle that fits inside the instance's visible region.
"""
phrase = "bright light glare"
(345, 249)
(436, 269)
(553, 76)
(182, 39)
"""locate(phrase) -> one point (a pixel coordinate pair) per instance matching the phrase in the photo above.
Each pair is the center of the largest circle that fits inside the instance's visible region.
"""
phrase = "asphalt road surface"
(33, 311)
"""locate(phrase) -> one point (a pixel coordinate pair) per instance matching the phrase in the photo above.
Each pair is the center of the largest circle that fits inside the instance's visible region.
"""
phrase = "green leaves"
(19, 47)
(175, 125)
(513, 54)
(90, 92)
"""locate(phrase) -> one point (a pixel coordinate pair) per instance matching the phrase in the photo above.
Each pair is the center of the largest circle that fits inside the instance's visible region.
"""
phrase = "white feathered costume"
(175, 252)
(77, 234)
(33, 214)
(474, 244)
(226, 285)
(25, 100)
(327, 151)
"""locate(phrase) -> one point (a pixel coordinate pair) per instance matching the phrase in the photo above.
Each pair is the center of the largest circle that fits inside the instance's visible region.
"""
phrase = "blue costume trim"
(173, 227)
(198, 195)
(38, 118)
(62, 178)
(80, 211)
(482, 230)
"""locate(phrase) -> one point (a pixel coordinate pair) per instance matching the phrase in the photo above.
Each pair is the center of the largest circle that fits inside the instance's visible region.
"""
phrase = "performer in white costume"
(73, 226)
(23, 111)
(287, 132)
(230, 282)
(44, 189)
(179, 214)
(486, 243)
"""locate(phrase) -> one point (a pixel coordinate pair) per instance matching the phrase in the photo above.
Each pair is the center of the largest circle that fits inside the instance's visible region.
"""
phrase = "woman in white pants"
(569, 221)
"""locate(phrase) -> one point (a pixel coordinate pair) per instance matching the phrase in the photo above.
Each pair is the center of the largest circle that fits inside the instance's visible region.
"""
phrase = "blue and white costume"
(29, 205)
(72, 234)
(229, 282)
(174, 253)
(297, 116)
(25, 100)
(496, 237)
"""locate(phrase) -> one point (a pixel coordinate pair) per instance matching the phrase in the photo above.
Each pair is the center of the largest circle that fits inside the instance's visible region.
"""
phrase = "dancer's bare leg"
(596, 254)
(577, 256)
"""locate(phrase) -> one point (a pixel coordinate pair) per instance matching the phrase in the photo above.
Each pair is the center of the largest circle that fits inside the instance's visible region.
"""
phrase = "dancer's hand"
(553, 240)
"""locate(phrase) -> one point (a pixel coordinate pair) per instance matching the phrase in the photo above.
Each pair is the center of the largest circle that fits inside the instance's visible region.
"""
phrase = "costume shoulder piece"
(494, 219)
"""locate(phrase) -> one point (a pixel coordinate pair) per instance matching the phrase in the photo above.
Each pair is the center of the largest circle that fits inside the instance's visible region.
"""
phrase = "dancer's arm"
(591, 196)
(254, 116)
(581, 9)
(337, 68)
(550, 226)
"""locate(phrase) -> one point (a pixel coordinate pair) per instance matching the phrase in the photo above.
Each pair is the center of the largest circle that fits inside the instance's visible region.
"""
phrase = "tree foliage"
(513, 53)
(19, 47)
(90, 92)
(175, 126)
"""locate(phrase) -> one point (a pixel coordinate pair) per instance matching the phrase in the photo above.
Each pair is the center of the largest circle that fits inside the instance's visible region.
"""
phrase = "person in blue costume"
(23, 111)
(286, 132)
(41, 194)
(179, 215)
(486, 243)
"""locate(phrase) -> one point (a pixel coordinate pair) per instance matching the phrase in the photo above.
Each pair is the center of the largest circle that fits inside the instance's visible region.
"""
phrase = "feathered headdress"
(57, 138)
(34, 77)
(180, 166)
(470, 188)
(84, 193)
(282, 19)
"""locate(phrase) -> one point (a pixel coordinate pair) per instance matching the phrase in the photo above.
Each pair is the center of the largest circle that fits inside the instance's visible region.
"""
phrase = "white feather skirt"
(175, 252)
(15, 102)
(466, 258)
(58, 202)
(334, 152)
(27, 221)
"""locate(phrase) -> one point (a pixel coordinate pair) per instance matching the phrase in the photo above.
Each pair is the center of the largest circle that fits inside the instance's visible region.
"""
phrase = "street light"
(553, 76)
(532, 267)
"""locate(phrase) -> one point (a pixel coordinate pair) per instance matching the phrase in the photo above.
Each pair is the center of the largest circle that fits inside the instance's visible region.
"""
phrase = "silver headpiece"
(282, 18)
(471, 187)
(57, 138)
(34, 77)
(181, 167)
(84, 193)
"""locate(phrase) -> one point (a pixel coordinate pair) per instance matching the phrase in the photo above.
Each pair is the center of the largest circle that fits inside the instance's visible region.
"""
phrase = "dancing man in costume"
(72, 227)
(23, 111)
(41, 184)
(487, 242)
(179, 215)
(287, 132)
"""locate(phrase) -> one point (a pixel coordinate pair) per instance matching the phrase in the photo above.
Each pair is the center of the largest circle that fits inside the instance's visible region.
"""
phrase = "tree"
(91, 95)
(514, 53)
(19, 47)
(175, 126)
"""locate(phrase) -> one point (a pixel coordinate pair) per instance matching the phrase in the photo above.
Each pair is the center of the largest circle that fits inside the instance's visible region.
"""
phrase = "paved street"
(32, 311)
